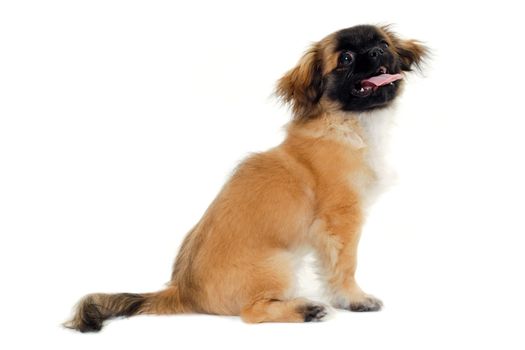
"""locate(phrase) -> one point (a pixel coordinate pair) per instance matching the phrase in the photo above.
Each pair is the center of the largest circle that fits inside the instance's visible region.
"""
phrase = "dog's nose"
(376, 52)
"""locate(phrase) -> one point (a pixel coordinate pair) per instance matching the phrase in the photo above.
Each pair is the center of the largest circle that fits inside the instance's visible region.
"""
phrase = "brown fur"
(239, 259)
(300, 86)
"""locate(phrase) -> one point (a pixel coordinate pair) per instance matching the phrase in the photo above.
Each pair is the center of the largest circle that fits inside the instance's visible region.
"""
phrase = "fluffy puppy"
(309, 192)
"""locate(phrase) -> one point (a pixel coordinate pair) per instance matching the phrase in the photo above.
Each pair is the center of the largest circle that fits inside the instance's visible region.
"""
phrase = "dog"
(309, 193)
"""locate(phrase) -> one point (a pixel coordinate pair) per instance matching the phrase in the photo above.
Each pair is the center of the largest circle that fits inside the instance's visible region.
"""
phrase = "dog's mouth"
(366, 87)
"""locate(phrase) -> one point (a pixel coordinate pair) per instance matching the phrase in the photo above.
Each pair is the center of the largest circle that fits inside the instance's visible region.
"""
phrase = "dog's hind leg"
(292, 310)
(270, 298)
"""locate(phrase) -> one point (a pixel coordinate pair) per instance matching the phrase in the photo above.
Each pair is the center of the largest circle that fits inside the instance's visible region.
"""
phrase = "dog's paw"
(314, 312)
(365, 304)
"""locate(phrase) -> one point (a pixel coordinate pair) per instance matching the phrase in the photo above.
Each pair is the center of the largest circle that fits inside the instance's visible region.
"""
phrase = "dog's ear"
(302, 86)
(412, 53)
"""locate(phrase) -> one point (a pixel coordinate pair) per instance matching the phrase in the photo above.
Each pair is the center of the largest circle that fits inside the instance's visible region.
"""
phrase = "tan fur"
(307, 193)
(298, 194)
(299, 87)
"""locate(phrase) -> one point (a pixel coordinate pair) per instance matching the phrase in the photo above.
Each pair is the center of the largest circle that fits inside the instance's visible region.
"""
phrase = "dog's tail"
(94, 309)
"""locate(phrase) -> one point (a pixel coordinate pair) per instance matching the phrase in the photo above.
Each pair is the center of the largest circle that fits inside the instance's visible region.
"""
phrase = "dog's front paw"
(366, 303)
(314, 312)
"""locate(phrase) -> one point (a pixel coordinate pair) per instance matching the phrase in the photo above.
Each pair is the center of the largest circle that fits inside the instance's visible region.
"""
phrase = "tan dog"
(310, 192)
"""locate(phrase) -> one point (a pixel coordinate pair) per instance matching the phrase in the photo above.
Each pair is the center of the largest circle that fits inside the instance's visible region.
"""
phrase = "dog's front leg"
(336, 234)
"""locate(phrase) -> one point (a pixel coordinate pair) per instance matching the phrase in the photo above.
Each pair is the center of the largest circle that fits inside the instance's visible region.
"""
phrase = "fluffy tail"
(94, 309)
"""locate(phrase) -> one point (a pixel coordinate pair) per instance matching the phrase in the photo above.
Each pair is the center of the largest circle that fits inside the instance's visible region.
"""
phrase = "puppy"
(309, 192)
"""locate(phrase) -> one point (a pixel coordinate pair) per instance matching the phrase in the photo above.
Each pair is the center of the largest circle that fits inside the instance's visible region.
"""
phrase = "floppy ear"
(302, 86)
(410, 52)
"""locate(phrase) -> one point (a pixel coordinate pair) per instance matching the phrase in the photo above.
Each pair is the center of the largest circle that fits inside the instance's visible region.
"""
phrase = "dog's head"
(355, 69)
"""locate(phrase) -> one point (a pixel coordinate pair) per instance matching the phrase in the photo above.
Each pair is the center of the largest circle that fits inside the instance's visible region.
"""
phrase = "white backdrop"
(120, 121)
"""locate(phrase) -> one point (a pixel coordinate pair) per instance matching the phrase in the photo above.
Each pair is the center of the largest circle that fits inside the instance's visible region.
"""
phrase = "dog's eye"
(384, 44)
(346, 58)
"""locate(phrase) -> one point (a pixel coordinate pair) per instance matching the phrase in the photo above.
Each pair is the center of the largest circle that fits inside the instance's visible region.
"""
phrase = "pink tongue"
(381, 80)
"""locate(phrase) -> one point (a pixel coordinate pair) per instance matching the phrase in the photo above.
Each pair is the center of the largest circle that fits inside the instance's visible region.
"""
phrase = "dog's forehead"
(357, 37)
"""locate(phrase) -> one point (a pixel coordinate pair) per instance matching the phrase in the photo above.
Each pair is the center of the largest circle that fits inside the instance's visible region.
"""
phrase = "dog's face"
(355, 69)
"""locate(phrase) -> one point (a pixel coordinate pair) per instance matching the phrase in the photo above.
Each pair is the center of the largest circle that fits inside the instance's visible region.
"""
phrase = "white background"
(120, 121)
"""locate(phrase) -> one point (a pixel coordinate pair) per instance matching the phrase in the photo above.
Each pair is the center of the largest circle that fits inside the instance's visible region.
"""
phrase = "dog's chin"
(359, 98)
(376, 90)
(361, 92)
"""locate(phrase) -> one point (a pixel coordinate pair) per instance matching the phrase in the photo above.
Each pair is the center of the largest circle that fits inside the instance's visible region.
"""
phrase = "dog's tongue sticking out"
(381, 80)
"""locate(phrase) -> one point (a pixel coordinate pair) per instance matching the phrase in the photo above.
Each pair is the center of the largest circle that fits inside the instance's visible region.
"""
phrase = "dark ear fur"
(302, 86)
(411, 52)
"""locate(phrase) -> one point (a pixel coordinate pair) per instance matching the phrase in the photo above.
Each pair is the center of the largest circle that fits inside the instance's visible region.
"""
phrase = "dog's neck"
(357, 130)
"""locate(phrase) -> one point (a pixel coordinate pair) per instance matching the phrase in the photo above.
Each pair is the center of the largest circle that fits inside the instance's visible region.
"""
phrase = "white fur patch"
(375, 128)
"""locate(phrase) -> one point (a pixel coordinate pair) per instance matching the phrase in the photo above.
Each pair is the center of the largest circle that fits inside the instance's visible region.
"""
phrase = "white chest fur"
(373, 129)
